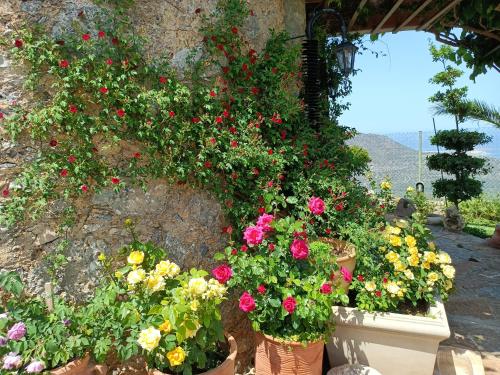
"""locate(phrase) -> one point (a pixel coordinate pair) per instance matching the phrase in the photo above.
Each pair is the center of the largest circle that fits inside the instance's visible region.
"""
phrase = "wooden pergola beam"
(387, 16)
(413, 15)
(438, 15)
(356, 14)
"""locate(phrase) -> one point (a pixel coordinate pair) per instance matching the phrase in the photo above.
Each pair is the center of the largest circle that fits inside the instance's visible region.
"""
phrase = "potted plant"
(399, 318)
(287, 289)
(35, 337)
(170, 318)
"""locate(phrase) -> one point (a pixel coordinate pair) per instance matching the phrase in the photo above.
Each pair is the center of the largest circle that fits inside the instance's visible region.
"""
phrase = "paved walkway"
(474, 308)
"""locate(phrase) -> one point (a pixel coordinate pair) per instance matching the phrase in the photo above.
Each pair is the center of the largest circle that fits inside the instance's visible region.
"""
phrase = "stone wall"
(185, 221)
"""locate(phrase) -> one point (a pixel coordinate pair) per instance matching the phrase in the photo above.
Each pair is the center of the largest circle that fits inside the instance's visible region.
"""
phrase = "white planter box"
(393, 344)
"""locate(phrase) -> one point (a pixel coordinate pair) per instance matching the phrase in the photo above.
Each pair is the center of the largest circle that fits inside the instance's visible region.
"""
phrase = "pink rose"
(346, 274)
(253, 235)
(325, 288)
(247, 303)
(261, 289)
(222, 273)
(264, 220)
(299, 249)
(289, 304)
(316, 205)
(17, 331)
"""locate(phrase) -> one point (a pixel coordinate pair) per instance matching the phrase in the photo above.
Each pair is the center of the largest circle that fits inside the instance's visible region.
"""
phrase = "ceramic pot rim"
(332, 241)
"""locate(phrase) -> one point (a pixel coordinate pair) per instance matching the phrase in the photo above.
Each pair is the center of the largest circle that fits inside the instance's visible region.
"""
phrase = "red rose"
(197, 11)
(208, 164)
(171, 113)
(270, 184)
(270, 152)
(103, 90)
(289, 304)
(261, 289)
(328, 231)
(233, 130)
(63, 63)
(299, 249)
(271, 247)
(384, 280)
(163, 79)
(339, 207)
(233, 144)
(63, 173)
(283, 135)
(261, 210)
(244, 67)
(137, 155)
(86, 37)
(244, 248)
(234, 30)
(101, 34)
(255, 171)
(60, 42)
(378, 293)
(234, 251)
(252, 13)
(225, 69)
(18, 43)
(222, 273)
(115, 41)
(109, 61)
(212, 93)
(325, 288)
(1, 115)
(225, 113)
(195, 120)
(120, 113)
(255, 90)
(361, 278)
(218, 119)
(316, 205)
(247, 303)
(212, 140)
(228, 229)
(53, 143)
(5, 192)
(115, 180)
(84, 188)
(71, 159)
(72, 108)
(274, 70)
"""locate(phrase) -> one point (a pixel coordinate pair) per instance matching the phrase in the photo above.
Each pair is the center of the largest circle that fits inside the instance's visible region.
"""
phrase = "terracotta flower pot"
(226, 368)
(346, 257)
(274, 357)
(81, 366)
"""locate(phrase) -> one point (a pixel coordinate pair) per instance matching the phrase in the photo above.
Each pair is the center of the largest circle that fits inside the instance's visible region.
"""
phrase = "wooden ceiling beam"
(387, 16)
(438, 15)
(356, 14)
(413, 15)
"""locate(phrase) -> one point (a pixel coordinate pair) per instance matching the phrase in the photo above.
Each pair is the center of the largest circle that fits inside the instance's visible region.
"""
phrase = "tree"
(474, 110)
(459, 164)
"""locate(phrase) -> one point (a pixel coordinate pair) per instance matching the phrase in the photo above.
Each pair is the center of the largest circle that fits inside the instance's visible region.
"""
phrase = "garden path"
(474, 308)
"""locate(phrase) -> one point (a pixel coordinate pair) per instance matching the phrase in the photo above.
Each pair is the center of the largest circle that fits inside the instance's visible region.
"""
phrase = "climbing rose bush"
(286, 288)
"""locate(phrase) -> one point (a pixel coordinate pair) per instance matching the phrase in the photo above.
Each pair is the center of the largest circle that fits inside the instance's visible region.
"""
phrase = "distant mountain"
(400, 164)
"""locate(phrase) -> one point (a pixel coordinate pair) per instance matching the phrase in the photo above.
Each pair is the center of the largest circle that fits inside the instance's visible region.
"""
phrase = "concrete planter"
(393, 344)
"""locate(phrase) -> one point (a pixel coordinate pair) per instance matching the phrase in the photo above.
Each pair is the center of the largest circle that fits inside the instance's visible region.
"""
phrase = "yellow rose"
(413, 251)
(136, 276)
(411, 241)
(432, 277)
(426, 265)
(430, 257)
(448, 285)
(391, 256)
(444, 258)
(118, 275)
(409, 189)
(401, 223)
(165, 326)
(101, 257)
(155, 282)
(395, 241)
(449, 271)
(392, 287)
(215, 290)
(190, 333)
(149, 338)
(370, 286)
(400, 294)
(409, 275)
(413, 260)
(194, 305)
(167, 268)
(176, 356)
(385, 185)
(432, 246)
(197, 286)
(393, 230)
(135, 257)
(399, 266)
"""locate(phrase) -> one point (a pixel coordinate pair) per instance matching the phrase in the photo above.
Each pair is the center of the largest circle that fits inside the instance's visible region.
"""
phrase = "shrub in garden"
(32, 338)
(149, 307)
(287, 287)
(400, 267)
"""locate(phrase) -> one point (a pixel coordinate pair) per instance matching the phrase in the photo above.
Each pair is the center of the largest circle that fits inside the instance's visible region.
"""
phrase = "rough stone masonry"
(185, 221)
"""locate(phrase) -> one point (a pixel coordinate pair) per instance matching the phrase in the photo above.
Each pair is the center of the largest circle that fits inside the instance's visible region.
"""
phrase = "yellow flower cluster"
(385, 185)
(149, 339)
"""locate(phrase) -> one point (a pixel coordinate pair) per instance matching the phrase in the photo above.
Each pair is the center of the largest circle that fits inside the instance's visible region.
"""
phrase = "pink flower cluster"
(254, 234)
(316, 205)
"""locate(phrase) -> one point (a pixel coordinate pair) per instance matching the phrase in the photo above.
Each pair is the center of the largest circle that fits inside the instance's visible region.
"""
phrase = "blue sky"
(390, 92)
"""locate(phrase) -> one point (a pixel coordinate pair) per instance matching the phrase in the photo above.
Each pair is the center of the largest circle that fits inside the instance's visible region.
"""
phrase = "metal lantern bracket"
(317, 14)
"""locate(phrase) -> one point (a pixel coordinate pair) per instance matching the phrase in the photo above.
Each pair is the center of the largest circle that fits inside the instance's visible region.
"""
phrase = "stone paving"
(474, 308)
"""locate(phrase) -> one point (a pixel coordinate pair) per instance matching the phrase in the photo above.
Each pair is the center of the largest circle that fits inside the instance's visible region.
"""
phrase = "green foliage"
(424, 206)
(483, 210)
(460, 140)
(269, 274)
(482, 231)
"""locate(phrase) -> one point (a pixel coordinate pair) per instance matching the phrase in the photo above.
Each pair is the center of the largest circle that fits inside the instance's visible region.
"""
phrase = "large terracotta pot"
(347, 258)
(274, 357)
(81, 366)
(226, 368)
